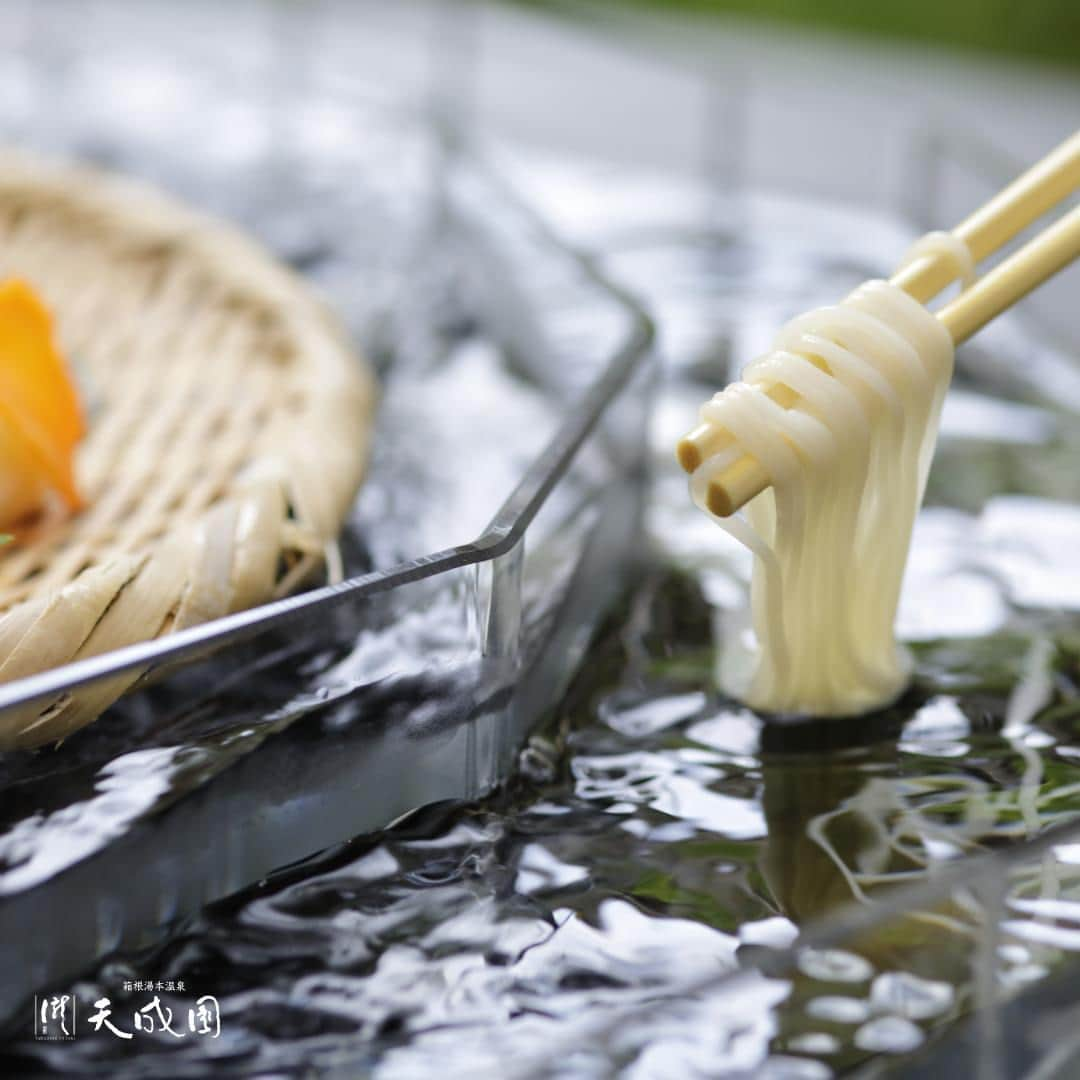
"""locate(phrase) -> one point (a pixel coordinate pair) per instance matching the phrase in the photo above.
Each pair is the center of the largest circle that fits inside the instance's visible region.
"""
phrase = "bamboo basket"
(229, 423)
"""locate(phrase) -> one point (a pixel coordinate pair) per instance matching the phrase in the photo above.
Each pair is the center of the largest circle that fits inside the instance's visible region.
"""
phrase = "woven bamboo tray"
(229, 423)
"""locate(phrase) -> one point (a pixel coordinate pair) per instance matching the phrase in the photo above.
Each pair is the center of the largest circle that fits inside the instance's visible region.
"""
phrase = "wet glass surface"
(658, 838)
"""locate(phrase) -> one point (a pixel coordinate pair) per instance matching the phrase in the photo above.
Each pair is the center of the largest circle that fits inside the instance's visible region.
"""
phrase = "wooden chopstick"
(1011, 211)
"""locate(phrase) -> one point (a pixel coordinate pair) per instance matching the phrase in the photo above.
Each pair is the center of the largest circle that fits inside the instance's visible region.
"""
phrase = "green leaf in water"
(657, 886)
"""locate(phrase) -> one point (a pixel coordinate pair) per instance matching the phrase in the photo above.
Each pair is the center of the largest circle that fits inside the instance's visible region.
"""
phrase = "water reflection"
(817, 830)
(657, 838)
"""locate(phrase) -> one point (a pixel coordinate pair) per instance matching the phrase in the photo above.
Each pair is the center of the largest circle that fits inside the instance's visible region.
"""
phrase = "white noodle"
(848, 466)
(938, 244)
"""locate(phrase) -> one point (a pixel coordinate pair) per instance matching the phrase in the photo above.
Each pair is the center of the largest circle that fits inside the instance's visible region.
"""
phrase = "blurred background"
(1046, 29)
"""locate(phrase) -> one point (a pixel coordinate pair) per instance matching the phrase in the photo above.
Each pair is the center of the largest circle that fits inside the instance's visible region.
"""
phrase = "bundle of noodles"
(227, 435)
(848, 468)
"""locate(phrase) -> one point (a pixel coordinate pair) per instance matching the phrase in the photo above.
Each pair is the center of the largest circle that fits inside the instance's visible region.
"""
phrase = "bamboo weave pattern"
(229, 423)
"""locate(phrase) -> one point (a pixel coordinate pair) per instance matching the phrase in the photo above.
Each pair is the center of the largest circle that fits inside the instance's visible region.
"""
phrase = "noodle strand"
(848, 468)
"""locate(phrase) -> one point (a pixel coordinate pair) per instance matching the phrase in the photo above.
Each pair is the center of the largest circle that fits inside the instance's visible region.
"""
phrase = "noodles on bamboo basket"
(227, 423)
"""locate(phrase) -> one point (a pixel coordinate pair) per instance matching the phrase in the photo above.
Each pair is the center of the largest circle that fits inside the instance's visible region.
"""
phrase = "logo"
(55, 1015)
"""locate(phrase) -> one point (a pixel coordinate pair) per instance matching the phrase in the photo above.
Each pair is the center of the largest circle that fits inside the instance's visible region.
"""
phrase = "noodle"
(848, 467)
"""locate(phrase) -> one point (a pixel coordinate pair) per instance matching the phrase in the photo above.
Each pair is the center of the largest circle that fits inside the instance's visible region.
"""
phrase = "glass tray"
(476, 570)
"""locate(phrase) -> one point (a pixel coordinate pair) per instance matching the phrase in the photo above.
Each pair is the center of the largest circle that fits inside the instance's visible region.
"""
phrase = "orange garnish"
(41, 419)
